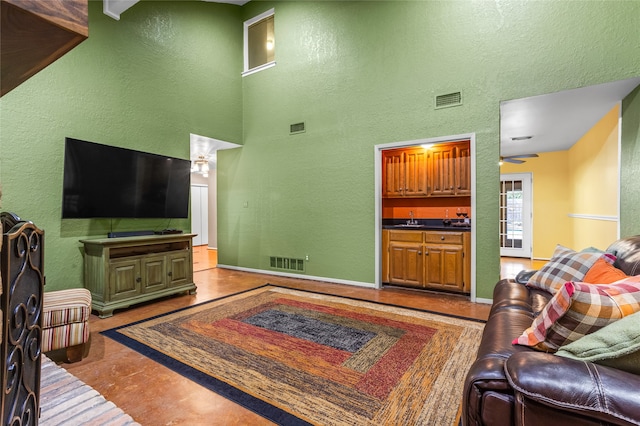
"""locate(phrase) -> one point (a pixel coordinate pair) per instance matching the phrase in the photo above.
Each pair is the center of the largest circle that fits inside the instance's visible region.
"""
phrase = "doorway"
(471, 194)
(515, 215)
(200, 214)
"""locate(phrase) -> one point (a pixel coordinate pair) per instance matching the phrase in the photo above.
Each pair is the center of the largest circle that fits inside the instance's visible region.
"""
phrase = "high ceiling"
(558, 120)
(553, 121)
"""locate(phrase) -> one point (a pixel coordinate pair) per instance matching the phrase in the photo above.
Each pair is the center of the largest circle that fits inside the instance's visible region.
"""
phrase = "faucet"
(411, 221)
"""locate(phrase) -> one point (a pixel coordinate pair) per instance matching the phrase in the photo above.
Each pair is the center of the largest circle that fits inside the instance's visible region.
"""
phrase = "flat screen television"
(102, 181)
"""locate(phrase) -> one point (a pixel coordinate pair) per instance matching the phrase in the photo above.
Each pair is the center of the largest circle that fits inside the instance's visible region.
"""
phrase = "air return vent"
(449, 100)
(296, 128)
(286, 263)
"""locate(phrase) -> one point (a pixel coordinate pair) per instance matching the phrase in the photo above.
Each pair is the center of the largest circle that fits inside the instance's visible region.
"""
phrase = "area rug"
(66, 400)
(297, 357)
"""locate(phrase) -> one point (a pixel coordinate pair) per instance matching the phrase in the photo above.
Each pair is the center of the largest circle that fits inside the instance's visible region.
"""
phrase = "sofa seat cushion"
(64, 307)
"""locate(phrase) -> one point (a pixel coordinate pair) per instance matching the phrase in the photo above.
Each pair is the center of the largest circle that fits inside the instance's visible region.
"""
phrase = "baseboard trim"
(482, 300)
(300, 276)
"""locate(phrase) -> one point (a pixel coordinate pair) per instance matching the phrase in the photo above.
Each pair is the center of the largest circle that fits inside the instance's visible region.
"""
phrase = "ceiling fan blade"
(512, 160)
(522, 156)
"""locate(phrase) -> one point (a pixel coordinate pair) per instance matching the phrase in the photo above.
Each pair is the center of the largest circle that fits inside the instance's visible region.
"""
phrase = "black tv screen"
(102, 181)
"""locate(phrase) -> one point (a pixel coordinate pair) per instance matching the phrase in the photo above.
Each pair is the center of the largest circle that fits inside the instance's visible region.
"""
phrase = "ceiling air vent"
(449, 100)
(296, 128)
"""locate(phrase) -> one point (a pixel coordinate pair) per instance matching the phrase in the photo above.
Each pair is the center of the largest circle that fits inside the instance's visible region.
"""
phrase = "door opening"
(515, 215)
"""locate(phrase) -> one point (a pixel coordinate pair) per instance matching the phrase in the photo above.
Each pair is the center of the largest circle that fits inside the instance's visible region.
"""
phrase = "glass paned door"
(515, 215)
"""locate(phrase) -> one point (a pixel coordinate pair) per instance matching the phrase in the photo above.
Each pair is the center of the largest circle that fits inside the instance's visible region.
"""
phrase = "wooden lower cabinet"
(120, 272)
(438, 260)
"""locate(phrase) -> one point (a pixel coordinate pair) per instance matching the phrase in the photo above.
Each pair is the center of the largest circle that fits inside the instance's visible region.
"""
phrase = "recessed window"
(259, 43)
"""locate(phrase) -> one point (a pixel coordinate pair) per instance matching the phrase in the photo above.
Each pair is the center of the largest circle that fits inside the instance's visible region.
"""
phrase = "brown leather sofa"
(515, 385)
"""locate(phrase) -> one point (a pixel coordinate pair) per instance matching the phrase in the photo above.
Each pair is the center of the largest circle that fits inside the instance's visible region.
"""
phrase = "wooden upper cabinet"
(36, 33)
(463, 170)
(441, 171)
(416, 171)
(442, 168)
(392, 173)
(405, 173)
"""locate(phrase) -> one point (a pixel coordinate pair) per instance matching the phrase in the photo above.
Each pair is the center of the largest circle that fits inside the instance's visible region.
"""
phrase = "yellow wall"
(582, 180)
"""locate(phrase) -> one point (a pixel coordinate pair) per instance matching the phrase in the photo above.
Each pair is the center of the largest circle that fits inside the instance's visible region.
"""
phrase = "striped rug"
(66, 400)
(300, 358)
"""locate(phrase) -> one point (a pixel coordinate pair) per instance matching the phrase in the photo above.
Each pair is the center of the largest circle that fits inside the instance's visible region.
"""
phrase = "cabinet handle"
(169, 273)
(442, 238)
(138, 279)
(419, 252)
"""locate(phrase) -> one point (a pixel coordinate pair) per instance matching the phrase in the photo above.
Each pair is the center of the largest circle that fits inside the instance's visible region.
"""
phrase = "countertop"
(456, 225)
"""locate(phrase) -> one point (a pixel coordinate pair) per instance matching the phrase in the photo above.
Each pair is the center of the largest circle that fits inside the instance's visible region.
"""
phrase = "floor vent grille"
(449, 100)
(286, 263)
(296, 128)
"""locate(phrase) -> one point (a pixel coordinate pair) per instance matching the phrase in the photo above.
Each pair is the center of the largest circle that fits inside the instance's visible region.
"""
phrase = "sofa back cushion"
(627, 253)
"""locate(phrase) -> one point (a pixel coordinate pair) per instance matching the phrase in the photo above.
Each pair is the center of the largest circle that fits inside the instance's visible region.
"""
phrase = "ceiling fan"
(516, 159)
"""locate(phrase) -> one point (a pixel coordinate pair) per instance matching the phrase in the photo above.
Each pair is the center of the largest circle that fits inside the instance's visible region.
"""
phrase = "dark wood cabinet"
(36, 33)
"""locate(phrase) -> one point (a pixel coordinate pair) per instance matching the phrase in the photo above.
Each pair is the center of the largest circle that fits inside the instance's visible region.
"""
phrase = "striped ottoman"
(65, 321)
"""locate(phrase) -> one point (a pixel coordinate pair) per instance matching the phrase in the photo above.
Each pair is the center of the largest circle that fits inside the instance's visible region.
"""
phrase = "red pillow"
(603, 272)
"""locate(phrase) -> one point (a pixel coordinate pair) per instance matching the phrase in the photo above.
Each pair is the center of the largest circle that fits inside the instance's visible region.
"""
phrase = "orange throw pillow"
(603, 272)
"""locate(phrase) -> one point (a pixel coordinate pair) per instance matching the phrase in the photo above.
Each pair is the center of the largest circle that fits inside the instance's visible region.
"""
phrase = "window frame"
(246, 71)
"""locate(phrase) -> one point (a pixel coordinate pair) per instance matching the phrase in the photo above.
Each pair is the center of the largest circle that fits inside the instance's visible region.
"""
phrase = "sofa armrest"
(577, 388)
(524, 275)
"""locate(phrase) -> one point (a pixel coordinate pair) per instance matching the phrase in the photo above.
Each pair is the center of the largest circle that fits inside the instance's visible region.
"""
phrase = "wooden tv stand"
(124, 271)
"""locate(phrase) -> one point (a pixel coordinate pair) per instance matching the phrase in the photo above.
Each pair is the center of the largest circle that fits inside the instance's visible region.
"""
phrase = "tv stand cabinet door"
(179, 268)
(154, 268)
(124, 279)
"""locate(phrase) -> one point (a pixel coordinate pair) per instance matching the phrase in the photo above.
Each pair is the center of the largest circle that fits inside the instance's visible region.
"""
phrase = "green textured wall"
(630, 170)
(366, 73)
(145, 82)
(358, 73)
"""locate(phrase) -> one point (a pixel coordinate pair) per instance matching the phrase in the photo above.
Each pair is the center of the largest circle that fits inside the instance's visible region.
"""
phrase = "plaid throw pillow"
(578, 309)
(565, 265)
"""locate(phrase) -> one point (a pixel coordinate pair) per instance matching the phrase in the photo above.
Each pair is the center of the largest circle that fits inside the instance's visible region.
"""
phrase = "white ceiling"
(558, 120)
(207, 147)
(114, 8)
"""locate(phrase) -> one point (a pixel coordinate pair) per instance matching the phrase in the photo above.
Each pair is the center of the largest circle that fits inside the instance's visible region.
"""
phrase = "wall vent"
(449, 100)
(296, 128)
(286, 263)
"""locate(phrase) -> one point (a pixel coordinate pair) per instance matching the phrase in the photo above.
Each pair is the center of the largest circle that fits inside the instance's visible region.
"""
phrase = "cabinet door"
(124, 279)
(463, 171)
(442, 171)
(415, 180)
(179, 268)
(385, 255)
(444, 267)
(392, 174)
(154, 273)
(405, 264)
